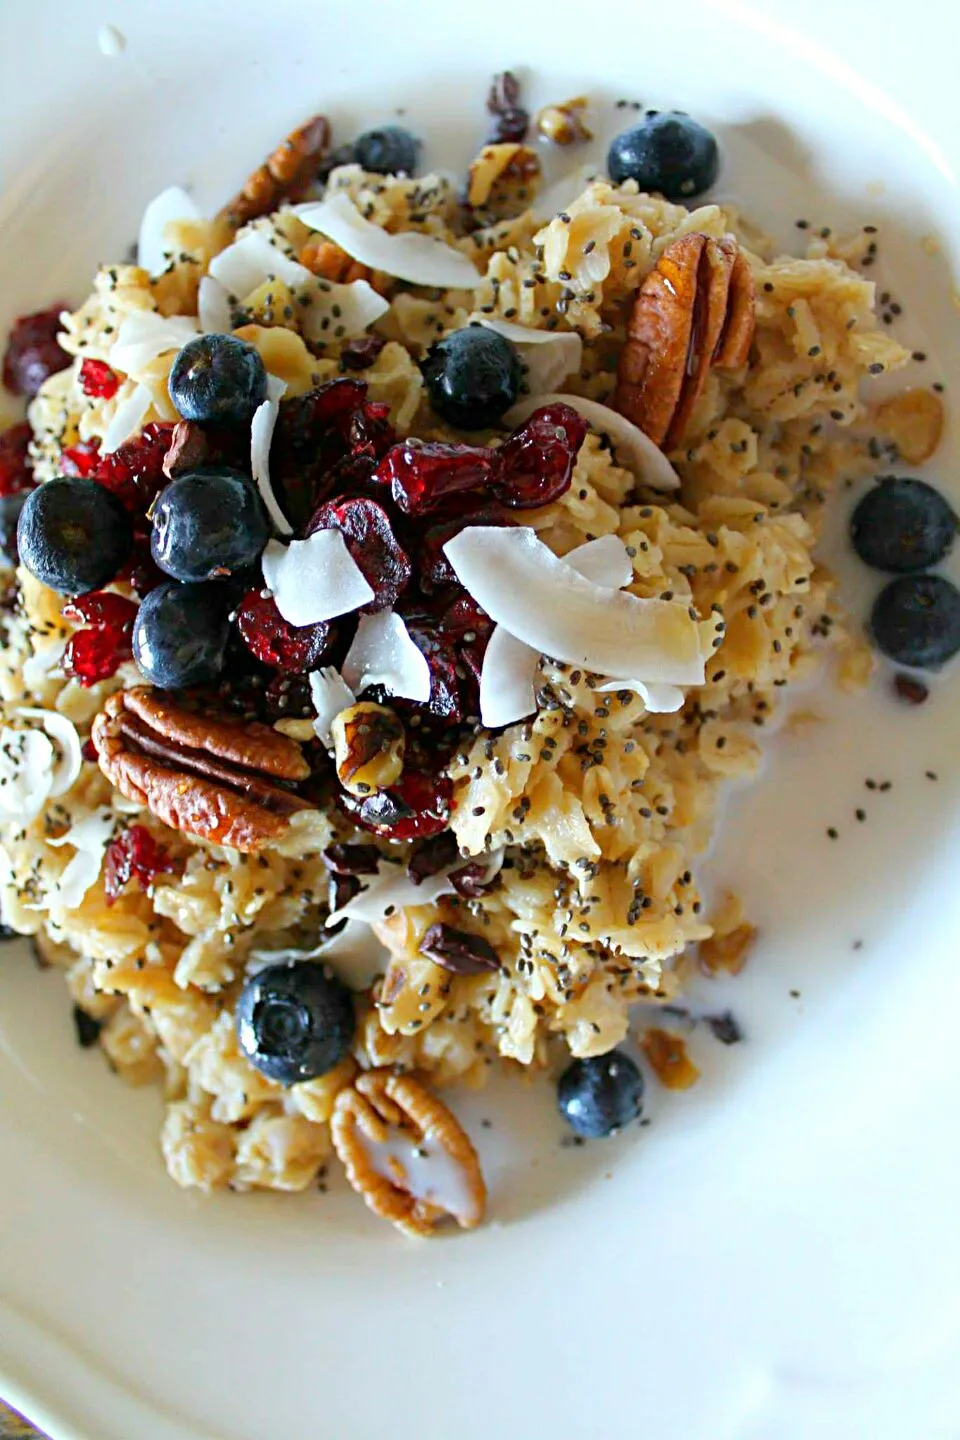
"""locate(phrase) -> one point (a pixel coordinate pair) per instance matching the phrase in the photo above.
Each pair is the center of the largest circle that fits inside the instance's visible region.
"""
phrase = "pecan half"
(695, 310)
(224, 780)
(440, 1173)
(282, 175)
(330, 262)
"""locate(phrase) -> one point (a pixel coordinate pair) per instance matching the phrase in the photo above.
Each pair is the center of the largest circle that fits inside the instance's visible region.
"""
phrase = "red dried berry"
(81, 459)
(294, 649)
(89, 751)
(288, 696)
(447, 700)
(100, 608)
(141, 572)
(434, 570)
(98, 381)
(360, 354)
(134, 854)
(536, 462)
(134, 472)
(93, 655)
(32, 352)
(423, 474)
(331, 427)
(463, 620)
(366, 528)
(16, 472)
(418, 805)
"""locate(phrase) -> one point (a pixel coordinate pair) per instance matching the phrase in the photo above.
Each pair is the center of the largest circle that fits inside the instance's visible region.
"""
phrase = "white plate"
(777, 1256)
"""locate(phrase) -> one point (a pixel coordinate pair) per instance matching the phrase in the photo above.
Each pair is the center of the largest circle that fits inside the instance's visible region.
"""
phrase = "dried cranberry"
(422, 474)
(89, 751)
(447, 700)
(366, 528)
(317, 432)
(464, 620)
(459, 951)
(98, 381)
(288, 697)
(418, 805)
(100, 608)
(434, 570)
(134, 854)
(295, 649)
(360, 354)
(134, 472)
(81, 459)
(536, 462)
(351, 859)
(32, 352)
(16, 472)
(142, 573)
(93, 655)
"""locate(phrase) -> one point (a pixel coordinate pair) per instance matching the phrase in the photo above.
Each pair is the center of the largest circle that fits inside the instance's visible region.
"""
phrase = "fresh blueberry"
(667, 153)
(472, 376)
(916, 621)
(218, 378)
(73, 535)
(208, 524)
(180, 635)
(388, 151)
(902, 525)
(10, 507)
(295, 1021)
(600, 1095)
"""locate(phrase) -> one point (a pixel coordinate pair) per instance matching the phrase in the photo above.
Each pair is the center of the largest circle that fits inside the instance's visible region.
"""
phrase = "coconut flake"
(170, 205)
(420, 259)
(214, 311)
(383, 653)
(250, 261)
(635, 451)
(147, 334)
(89, 838)
(261, 434)
(66, 741)
(127, 419)
(27, 760)
(330, 695)
(542, 600)
(392, 889)
(38, 667)
(340, 311)
(549, 355)
(314, 579)
(657, 699)
(604, 561)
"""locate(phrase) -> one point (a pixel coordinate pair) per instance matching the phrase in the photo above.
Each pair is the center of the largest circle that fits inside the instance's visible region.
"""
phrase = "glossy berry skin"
(390, 150)
(33, 353)
(73, 535)
(218, 378)
(668, 154)
(600, 1095)
(180, 635)
(916, 621)
(208, 525)
(472, 376)
(10, 507)
(902, 525)
(294, 1021)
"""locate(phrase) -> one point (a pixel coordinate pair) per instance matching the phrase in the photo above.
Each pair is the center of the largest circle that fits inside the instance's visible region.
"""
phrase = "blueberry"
(473, 376)
(388, 151)
(73, 535)
(600, 1095)
(295, 1021)
(218, 378)
(208, 524)
(667, 153)
(916, 621)
(10, 507)
(902, 525)
(180, 635)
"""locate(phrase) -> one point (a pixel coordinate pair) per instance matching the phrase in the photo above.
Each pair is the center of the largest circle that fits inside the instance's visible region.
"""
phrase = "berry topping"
(361, 353)
(180, 635)
(73, 535)
(294, 649)
(416, 806)
(388, 151)
(294, 1021)
(366, 528)
(81, 459)
(97, 651)
(472, 376)
(208, 525)
(97, 380)
(133, 855)
(16, 472)
(218, 378)
(423, 474)
(536, 462)
(434, 570)
(32, 353)
(667, 153)
(133, 472)
(451, 694)
(600, 1095)
(916, 621)
(902, 525)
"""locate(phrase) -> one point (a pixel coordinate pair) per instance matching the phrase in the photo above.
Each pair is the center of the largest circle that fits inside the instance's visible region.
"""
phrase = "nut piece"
(666, 1054)
(913, 420)
(440, 1173)
(727, 952)
(291, 167)
(328, 261)
(693, 311)
(503, 179)
(368, 746)
(564, 124)
(223, 780)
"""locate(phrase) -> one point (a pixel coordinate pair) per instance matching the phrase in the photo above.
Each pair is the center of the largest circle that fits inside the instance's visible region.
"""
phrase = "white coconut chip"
(27, 760)
(67, 745)
(314, 579)
(549, 355)
(89, 838)
(261, 434)
(604, 561)
(127, 419)
(250, 261)
(383, 653)
(634, 450)
(340, 312)
(38, 667)
(163, 209)
(542, 600)
(657, 699)
(147, 334)
(330, 694)
(355, 952)
(420, 259)
(389, 890)
(214, 311)
(562, 192)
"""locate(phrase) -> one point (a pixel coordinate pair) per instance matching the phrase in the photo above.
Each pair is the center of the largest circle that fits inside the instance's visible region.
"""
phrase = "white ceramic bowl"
(777, 1256)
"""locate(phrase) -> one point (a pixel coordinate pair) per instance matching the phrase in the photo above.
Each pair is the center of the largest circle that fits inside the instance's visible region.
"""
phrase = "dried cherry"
(134, 854)
(536, 462)
(369, 536)
(422, 474)
(294, 649)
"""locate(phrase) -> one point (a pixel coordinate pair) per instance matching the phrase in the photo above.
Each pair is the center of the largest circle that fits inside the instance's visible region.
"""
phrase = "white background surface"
(776, 1257)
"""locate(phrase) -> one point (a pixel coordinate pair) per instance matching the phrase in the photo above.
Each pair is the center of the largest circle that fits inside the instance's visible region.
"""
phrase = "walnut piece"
(448, 1179)
(695, 310)
(283, 174)
(666, 1054)
(727, 952)
(223, 780)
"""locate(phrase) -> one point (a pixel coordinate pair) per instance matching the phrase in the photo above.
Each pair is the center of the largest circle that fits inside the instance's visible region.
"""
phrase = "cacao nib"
(470, 882)
(351, 859)
(369, 536)
(87, 1028)
(458, 951)
(33, 354)
(725, 1028)
(360, 353)
(431, 856)
(341, 890)
(510, 120)
(908, 688)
